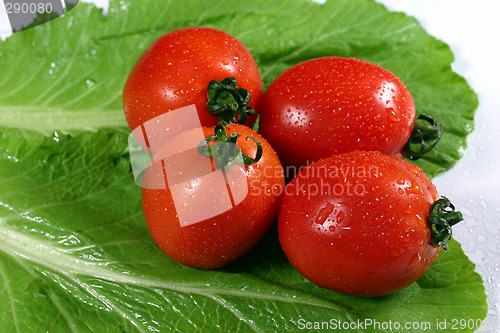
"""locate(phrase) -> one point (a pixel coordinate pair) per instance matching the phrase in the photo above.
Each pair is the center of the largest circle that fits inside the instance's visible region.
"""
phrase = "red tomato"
(333, 105)
(240, 218)
(357, 223)
(175, 71)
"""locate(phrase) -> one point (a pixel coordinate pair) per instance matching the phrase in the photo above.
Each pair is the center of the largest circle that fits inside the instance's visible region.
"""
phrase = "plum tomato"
(333, 105)
(176, 69)
(213, 210)
(363, 223)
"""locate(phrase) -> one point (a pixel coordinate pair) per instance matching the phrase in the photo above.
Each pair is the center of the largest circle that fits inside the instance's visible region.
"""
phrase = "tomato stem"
(227, 101)
(441, 218)
(225, 150)
(425, 135)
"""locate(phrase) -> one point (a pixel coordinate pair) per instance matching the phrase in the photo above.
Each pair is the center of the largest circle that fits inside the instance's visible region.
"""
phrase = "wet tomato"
(176, 69)
(205, 216)
(333, 105)
(363, 223)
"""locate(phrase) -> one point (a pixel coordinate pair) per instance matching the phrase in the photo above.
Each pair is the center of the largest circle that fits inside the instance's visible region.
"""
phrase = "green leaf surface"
(75, 251)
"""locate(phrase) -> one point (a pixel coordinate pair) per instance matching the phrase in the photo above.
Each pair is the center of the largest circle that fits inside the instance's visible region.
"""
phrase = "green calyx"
(425, 135)
(441, 218)
(225, 150)
(227, 101)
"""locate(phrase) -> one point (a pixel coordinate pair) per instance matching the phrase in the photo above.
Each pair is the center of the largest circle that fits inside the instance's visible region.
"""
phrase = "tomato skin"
(372, 241)
(219, 240)
(334, 105)
(175, 70)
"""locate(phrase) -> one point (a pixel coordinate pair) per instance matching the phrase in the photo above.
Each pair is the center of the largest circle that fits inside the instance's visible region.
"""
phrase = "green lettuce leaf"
(75, 252)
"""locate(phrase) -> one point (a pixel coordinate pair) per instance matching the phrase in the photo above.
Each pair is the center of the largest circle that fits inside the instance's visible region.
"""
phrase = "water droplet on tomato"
(324, 213)
(340, 216)
(407, 210)
(391, 114)
(414, 260)
(414, 188)
(413, 169)
(420, 220)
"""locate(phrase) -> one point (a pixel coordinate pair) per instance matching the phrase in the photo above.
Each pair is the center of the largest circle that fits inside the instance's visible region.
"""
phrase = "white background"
(472, 29)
